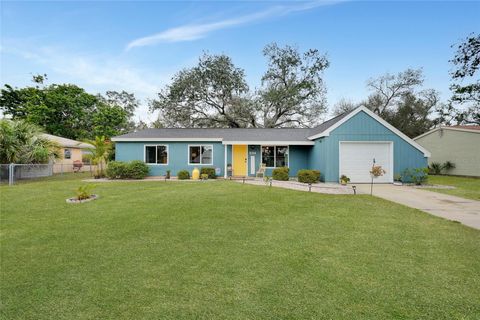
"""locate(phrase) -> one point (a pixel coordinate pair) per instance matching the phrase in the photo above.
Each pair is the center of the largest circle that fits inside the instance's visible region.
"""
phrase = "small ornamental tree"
(377, 171)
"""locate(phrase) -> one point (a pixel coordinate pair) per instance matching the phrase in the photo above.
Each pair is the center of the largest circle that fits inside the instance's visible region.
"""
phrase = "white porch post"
(225, 163)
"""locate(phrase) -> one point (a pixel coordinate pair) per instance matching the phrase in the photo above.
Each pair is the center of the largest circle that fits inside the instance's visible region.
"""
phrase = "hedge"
(183, 175)
(308, 176)
(127, 170)
(209, 171)
(280, 174)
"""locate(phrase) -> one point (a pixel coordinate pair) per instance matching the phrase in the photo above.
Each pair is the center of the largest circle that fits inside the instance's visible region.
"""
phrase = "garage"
(356, 159)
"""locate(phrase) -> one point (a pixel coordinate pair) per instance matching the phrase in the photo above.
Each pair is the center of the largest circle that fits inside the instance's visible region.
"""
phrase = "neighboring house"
(72, 150)
(346, 144)
(457, 144)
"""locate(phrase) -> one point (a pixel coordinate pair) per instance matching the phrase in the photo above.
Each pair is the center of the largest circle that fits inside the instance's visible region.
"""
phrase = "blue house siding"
(177, 156)
(362, 127)
(298, 159)
(322, 156)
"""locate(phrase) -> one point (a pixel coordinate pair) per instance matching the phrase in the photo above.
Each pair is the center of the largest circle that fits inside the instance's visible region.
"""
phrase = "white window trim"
(199, 145)
(69, 151)
(275, 155)
(156, 154)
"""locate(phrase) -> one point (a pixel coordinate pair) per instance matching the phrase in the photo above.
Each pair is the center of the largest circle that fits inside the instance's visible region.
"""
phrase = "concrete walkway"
(328, 188)
(441, 205)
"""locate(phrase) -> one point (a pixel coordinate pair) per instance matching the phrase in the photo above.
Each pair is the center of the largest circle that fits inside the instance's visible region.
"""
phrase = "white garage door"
(356, 159)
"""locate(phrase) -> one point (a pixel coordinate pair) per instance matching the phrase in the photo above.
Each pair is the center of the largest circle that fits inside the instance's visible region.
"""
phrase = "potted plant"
(397, 179)
(344, 180)
(229, 169)
(377, 171)
(167, 176)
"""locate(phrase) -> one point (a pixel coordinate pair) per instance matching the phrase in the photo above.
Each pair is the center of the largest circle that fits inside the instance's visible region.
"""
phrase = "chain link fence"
(13, 173)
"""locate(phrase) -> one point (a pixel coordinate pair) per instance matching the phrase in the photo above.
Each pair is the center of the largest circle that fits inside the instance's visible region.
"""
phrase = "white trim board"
(275, 155)
(199, 145)
(160, 139)
(271, 143)
(372, 114)
(156, 154)
(446, 128)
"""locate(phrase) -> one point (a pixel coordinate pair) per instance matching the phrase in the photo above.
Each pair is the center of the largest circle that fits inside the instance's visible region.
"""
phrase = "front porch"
(244, 160)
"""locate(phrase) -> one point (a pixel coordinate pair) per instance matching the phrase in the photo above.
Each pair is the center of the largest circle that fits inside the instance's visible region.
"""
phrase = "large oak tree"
(214, 93)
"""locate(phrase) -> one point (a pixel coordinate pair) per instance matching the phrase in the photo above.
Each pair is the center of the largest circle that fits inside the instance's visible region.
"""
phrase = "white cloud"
(191, 32)
(95, 73)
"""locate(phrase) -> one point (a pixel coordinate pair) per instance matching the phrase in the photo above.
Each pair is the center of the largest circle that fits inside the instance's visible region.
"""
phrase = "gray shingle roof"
(254, 134)
(327, 124)
(232, 134)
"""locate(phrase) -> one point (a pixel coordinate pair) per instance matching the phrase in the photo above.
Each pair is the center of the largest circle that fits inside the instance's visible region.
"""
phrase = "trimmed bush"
(183, 175)
(209, 171)
(137, 169)
(116, 170)
(417, 176)
(127, 170)
(280, 174)
(308, 176)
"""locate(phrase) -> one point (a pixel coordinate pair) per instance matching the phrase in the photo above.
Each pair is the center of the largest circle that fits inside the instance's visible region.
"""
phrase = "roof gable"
(375, 117)
(469, 129)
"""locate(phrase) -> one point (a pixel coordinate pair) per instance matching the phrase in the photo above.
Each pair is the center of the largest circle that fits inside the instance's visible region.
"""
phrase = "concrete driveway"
(441, 205)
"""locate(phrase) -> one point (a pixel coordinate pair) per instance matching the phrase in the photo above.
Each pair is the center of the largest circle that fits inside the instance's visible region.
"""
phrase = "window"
(201, 154)
(275, 156)
(156, 154)
(67, 154)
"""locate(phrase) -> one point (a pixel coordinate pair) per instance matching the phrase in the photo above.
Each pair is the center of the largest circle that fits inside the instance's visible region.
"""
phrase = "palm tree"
(99, 154)
(22, 142)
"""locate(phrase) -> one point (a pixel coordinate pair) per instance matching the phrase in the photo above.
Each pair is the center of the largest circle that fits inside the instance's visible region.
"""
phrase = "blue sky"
(138, 46)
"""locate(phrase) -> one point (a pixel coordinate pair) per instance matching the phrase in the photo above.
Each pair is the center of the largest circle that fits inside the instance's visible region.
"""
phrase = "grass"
(464, 187)
(223, 250)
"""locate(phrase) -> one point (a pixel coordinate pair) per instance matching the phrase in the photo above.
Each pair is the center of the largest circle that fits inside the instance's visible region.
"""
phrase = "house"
(347, 144)
(457, 144)
(71, 151)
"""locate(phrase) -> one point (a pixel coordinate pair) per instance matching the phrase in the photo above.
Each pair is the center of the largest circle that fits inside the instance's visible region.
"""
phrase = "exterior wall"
(362, 127)
(298, 159)
(177, 156)
(323, 156)
(66, 165)
(460, 147)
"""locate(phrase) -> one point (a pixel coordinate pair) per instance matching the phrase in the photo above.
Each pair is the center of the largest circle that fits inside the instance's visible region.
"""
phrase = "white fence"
(14, 172)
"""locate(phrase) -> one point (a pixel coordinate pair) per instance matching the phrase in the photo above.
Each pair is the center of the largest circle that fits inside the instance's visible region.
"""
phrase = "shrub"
(84, 192)
(344, 179)
(117, 170)
(204, 176)
(448, 165)
(208, 171)
(417, 176)
(308, 176)
(137, 169)
(280, 174)
(183, 175)
(127, 170)
(435, 168)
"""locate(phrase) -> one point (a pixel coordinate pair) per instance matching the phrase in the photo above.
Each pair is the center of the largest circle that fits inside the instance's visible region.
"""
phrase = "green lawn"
(223, 250)
(464, 187)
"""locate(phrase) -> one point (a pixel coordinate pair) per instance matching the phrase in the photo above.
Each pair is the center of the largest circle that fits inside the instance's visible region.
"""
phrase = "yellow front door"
(239, 160)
